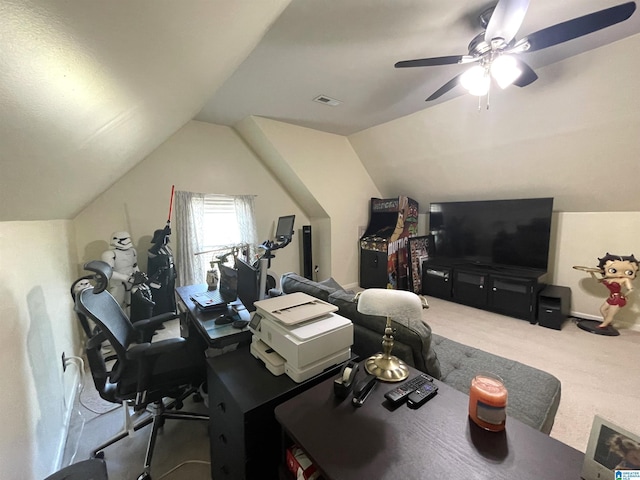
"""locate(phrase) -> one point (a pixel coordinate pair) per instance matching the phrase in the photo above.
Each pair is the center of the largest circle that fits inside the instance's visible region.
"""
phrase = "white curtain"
(189, 217)
(245, 213)
(189, 212)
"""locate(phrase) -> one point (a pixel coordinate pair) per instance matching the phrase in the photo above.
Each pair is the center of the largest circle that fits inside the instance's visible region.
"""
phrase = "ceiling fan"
(496, 50)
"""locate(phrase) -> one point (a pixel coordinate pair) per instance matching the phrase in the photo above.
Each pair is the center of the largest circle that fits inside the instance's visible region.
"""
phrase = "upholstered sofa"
(534, 395)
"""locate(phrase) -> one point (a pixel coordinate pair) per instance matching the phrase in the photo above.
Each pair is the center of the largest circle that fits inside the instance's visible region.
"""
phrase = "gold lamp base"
(387, 368)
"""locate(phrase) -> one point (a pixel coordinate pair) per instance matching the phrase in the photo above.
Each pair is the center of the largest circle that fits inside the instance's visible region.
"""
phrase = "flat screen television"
(499, 233)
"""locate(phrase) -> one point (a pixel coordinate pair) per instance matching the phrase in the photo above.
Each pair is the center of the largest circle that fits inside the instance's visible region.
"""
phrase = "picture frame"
(605, 451)
(418, 253)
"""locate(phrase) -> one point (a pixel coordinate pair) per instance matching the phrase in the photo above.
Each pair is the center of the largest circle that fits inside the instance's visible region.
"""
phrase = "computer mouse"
(240, 323)
(223, 320)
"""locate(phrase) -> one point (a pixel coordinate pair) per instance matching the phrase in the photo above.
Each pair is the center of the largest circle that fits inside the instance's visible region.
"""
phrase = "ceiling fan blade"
(527, 77)
(445, 88)
(430, 62)
(506, 19)
(579, 26)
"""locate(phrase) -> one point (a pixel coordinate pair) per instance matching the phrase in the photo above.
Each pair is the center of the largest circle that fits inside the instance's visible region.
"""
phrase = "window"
(206, 222)
(219, 224)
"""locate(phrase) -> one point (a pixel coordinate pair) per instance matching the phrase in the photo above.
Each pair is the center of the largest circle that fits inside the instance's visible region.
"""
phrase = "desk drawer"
(227, 454)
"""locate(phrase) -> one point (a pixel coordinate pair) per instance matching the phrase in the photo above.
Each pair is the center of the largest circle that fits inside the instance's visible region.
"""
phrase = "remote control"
(421, 395)
(400, 393)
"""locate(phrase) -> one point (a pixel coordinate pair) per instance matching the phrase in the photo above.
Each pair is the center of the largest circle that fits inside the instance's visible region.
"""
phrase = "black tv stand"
(502, 289)
(478, 265)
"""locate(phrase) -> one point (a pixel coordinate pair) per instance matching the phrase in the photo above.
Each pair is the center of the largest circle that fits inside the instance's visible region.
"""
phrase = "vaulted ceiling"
(89, 88)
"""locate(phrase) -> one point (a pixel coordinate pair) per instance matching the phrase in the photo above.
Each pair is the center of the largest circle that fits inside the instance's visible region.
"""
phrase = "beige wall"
(323, 172)
(200, 157)
(38, 326)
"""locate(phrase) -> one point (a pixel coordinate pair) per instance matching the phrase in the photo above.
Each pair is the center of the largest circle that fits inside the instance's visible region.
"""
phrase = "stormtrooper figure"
(123, 258)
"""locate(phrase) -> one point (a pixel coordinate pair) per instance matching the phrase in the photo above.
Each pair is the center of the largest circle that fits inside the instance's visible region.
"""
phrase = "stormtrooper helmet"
(121, 240)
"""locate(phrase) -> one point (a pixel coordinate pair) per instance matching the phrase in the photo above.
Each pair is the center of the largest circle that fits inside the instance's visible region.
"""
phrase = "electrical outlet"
(64, 363)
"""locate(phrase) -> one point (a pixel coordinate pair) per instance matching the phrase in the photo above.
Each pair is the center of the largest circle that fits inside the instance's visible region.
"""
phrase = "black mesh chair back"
(106, 313)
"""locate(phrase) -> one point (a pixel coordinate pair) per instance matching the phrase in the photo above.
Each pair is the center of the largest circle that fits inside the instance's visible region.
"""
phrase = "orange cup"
(488, 402)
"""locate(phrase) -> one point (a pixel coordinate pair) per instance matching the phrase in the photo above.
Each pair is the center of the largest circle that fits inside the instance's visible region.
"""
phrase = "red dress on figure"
(615, 297)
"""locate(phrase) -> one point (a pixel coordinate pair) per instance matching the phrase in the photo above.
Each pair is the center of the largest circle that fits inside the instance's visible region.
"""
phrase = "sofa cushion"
(292, 282)
(412, 342)
(534, 395)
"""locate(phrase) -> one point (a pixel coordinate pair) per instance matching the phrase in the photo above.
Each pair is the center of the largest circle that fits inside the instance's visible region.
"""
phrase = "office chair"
(142, 374)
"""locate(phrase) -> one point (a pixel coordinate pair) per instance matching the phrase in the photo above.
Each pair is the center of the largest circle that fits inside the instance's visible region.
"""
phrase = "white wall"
(200, 157)
(322, 171)
(37, 261)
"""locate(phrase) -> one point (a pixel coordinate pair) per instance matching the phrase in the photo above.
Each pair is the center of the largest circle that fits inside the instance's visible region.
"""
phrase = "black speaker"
(307, 257)
(554, 305)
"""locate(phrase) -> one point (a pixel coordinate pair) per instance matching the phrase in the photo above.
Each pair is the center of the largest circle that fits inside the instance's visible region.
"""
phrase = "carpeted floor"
(599, 375)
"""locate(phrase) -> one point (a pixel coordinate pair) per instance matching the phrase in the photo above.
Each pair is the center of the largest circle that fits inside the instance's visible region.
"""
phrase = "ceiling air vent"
(327, 100)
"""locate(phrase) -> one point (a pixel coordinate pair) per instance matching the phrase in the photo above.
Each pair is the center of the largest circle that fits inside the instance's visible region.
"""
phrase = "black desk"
(201, 325)
(437, 441)
(244, 434)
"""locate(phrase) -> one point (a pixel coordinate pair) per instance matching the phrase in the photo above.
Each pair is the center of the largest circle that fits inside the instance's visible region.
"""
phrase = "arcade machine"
(383, 247)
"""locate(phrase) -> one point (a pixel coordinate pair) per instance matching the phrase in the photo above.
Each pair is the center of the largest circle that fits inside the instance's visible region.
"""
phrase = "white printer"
(299, 335)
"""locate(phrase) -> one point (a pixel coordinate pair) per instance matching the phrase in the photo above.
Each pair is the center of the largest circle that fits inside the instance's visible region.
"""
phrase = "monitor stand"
(262, 284)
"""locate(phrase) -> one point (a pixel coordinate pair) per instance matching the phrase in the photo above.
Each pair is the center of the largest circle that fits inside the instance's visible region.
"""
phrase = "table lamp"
(399, 305)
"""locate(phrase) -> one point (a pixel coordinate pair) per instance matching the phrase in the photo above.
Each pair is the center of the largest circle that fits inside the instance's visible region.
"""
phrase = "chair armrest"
(154, 322)
(140, 350)
(147, 327)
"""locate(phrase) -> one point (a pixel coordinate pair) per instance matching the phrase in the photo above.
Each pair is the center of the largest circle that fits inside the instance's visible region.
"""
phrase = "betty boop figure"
(616, 273)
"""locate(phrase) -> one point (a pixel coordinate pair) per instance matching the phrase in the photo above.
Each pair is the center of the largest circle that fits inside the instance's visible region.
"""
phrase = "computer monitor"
(248, 284)
(284, 229)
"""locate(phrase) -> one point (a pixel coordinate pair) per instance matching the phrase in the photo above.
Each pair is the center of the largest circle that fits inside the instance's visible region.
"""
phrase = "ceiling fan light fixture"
(505, 70)
(476, 80)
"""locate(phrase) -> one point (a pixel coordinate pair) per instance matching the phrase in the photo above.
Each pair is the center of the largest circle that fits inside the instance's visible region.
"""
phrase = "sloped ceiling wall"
(89, 88)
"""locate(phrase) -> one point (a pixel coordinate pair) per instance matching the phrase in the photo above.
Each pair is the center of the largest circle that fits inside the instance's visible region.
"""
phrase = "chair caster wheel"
(145, 476)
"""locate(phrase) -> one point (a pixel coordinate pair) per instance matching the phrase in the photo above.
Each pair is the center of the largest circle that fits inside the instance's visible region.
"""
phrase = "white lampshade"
(505, 70)
(476, 80)
(401, 305)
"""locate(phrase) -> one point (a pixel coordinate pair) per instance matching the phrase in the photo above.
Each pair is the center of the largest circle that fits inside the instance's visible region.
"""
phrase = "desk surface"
(437, 441)
(217, 336)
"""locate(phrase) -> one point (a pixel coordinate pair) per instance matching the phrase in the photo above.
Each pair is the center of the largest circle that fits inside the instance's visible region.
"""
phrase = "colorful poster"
(418, 253)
